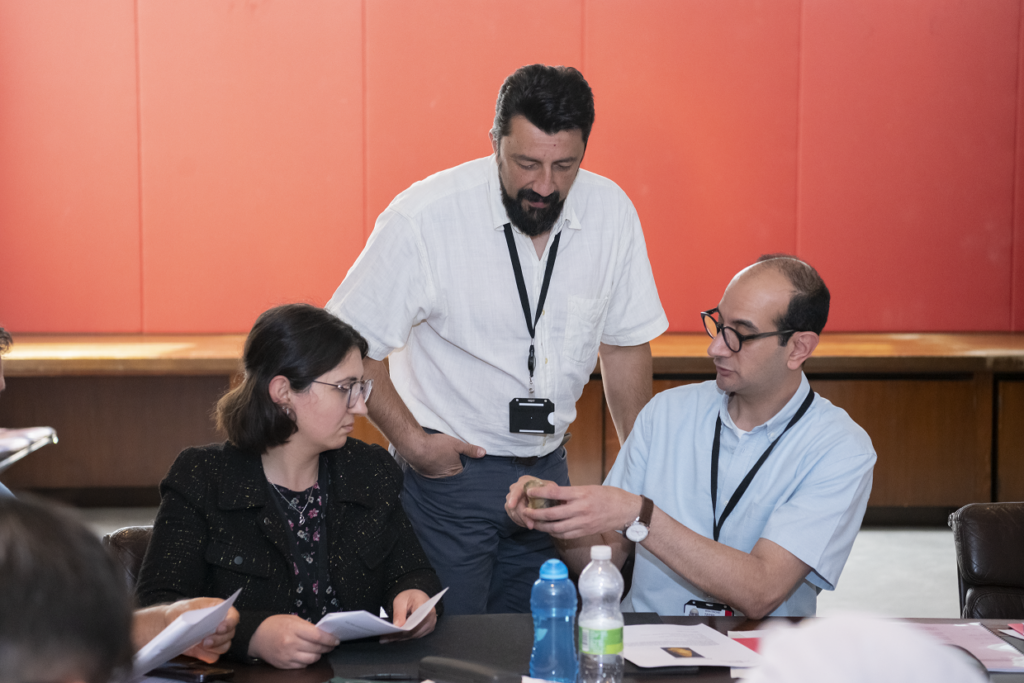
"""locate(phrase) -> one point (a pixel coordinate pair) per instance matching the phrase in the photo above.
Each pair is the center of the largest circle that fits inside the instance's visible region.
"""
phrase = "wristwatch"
(638, 529)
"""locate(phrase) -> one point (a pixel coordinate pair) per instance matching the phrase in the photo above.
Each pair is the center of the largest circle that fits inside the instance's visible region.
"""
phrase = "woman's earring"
(287, 412)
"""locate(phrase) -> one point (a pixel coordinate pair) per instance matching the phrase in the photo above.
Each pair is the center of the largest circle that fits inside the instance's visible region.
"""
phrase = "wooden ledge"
(35, 355)
(867, 352)
(682, 354)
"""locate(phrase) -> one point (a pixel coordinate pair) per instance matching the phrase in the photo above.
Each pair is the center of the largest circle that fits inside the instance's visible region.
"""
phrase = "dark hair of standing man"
(64, 611)
(808, 307)
(553, 98)
(298, 341)
(5, 341)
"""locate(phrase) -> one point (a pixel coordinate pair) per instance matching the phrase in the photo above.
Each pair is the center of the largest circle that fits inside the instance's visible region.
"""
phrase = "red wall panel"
(251, 157)
(433, 69)
(696, 120)
(906, 160)
(69, 203)
(1017, 278)
(882, 140)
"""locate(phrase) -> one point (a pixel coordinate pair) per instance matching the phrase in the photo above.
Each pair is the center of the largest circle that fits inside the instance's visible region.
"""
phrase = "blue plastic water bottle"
(553, 602)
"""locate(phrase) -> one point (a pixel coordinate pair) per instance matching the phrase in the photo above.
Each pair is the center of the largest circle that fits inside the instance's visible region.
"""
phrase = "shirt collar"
(499, 217)
(778, 422)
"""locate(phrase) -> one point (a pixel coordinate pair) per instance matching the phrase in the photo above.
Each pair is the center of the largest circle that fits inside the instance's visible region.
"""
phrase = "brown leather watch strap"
(646, 511)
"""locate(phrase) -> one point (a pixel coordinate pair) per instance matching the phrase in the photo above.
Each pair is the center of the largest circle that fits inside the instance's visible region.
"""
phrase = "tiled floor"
(894, 572)
(898, 572)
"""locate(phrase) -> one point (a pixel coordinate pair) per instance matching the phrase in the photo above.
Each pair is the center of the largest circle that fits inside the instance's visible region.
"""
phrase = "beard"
(532, 222)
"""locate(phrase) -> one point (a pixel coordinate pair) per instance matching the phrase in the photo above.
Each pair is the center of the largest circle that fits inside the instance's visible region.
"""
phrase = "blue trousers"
(488, 562)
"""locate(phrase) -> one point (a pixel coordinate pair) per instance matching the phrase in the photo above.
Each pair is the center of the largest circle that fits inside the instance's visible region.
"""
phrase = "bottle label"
(594, 641)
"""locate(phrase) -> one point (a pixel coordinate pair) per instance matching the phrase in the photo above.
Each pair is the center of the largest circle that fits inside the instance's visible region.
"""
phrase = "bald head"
(809, 297)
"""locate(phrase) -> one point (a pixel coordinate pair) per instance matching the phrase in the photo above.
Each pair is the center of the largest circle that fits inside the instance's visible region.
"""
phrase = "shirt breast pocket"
(752, 521)
(583, 328)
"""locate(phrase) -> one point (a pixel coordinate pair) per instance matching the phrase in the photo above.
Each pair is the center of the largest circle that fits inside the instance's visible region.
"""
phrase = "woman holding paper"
(303, 519)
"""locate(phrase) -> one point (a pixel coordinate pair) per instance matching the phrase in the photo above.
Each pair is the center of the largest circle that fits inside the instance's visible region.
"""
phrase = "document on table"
(187, 630)
(362, 624)
(991, 650)
(751, 639)
(653, 645)
(1015, 630)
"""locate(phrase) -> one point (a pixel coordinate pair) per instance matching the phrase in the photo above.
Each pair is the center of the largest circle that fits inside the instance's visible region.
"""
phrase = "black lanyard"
(531, 321)
(742, 488)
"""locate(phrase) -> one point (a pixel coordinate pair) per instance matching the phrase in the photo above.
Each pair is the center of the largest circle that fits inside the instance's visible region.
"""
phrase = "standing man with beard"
(492, 286)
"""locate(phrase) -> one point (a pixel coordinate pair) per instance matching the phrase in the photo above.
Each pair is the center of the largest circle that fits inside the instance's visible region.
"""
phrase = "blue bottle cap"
(553, 570)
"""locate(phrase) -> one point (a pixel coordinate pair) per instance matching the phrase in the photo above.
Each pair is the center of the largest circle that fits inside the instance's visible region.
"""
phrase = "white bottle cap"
(600, 552)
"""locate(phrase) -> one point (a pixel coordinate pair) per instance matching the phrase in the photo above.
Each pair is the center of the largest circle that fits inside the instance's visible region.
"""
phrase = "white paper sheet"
(362, 624)
(990, 649)
(187, 630)
(653, 645)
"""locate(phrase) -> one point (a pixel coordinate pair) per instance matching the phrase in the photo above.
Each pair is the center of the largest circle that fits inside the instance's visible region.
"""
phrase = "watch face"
(636, 532)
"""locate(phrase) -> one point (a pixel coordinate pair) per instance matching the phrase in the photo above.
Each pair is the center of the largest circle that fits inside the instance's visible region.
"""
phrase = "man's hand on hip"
(437, 455)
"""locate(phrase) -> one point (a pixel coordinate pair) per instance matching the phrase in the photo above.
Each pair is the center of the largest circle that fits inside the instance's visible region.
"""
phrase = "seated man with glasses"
(743, 494)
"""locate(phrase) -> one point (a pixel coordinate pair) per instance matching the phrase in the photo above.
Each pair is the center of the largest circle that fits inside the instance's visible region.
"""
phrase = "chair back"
(989, 540)
(128, 546)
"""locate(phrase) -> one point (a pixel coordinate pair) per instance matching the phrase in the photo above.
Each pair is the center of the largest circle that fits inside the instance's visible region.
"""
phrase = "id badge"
(531, 416)
(699, 608)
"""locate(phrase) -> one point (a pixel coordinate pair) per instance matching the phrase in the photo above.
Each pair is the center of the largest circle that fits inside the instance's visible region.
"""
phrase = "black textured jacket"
(217, 531)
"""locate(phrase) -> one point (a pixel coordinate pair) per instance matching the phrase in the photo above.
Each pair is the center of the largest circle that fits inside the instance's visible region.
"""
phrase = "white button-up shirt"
(435, 289)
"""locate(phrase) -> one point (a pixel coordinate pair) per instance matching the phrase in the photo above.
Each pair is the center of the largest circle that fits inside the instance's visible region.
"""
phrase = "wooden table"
(945, 411)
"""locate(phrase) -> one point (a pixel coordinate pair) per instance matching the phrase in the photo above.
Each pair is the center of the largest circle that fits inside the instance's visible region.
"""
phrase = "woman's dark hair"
(64, 611)
(553, 98)
(298, 341)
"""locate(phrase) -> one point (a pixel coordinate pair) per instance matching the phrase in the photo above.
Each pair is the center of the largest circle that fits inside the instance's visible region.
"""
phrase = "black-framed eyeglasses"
(733, 339)
(352, 390)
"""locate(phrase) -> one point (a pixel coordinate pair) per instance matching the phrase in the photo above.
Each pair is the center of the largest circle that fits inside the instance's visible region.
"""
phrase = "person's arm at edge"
(432, 455)
(148, 622)
(627, 376)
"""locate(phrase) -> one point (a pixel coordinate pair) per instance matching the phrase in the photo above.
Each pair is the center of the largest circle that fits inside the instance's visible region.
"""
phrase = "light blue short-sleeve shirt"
(809, 497)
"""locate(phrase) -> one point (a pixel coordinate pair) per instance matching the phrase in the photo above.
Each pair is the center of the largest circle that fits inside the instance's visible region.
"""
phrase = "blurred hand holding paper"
(187, 630)
(362, 624)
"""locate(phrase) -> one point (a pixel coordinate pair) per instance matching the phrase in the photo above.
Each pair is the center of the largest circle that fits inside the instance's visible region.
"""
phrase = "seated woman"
(303, 519)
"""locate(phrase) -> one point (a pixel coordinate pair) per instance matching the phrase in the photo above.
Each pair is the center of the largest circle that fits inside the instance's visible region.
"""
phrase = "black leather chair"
(989, 539)
(128, 546)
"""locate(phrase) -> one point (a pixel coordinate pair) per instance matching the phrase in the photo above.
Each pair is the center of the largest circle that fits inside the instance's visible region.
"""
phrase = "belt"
(532, 460)
(522, 462)
(525, 462)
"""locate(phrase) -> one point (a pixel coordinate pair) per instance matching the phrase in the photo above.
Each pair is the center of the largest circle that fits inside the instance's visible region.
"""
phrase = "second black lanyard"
(742, 488)
(531, 320)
